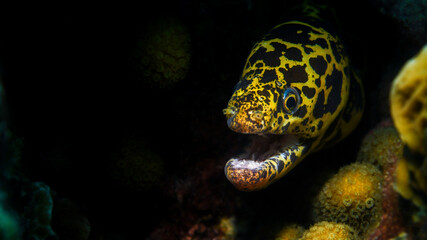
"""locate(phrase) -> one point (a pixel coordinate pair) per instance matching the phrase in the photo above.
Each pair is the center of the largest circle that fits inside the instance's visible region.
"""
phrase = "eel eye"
(291, 100)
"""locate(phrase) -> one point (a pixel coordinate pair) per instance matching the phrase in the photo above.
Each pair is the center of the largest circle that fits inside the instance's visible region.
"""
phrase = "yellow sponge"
(408, 102)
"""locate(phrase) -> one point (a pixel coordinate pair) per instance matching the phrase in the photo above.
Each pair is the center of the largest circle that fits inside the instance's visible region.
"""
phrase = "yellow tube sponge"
(411, 183)
(163, 55)
(352, 196)
(290, 232)
(408, 102)
(329, 231)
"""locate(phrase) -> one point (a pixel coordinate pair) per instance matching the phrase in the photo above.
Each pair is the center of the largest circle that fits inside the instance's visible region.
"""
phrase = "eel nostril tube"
(257, 115)
(229, 112)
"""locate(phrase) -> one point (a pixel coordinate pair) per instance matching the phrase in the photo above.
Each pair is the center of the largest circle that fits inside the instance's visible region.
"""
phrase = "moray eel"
(297, 94)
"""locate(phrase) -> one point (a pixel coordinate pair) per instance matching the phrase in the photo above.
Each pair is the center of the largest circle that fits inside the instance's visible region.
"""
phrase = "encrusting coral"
(383, 148)
(290, 232)
(380, 146)
(329, 231)
(408, 102)
(352, 196)
(163, 55)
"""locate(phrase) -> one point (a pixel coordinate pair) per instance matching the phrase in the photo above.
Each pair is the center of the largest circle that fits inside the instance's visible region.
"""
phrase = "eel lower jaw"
(253, 170)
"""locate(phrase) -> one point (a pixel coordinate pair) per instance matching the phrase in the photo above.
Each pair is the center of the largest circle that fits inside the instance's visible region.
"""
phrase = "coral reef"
(391, 223)
(9, 225)
(68, 221)
(203, 204)
(383, 148)
(38, 212)
(163, 55)
(329, 231)
(408, 102)
(402, 179)
(47, 216)
(290, 232)
(352, 196)
(135, 166)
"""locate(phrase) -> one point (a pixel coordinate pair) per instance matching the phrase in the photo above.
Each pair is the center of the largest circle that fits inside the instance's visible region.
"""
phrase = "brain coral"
(290, 232)
(329, 231)
(408, 102)
(163, 55)
(352, 196)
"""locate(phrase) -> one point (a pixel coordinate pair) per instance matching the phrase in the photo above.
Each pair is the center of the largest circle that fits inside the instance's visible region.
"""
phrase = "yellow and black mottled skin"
(296, 81)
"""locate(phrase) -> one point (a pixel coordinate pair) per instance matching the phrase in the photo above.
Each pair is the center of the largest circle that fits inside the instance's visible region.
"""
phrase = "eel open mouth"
(260, 164)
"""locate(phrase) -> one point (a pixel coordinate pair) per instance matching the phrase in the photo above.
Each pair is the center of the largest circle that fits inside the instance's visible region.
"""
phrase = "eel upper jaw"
(252, 170)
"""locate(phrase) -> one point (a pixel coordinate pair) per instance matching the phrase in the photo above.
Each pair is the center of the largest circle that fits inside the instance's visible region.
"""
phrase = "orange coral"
(329, 231)
(380, 146)
(352, 196)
